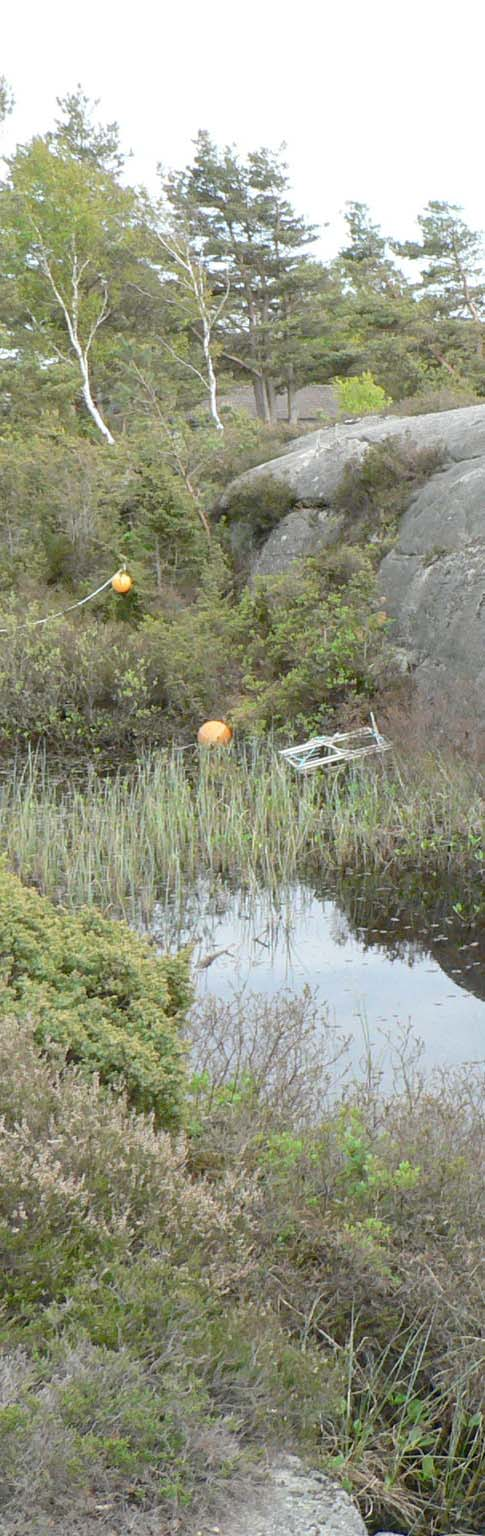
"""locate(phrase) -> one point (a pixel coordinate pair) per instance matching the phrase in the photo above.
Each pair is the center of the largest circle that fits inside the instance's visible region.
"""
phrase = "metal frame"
(326, 751)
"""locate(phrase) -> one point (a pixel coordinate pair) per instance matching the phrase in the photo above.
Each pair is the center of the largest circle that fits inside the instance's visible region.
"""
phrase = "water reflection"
(394, 958)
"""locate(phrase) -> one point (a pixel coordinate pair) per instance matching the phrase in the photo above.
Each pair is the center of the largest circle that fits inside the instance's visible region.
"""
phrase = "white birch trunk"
(90, 403)
(71, 320)
(211, 378)
(194, 282)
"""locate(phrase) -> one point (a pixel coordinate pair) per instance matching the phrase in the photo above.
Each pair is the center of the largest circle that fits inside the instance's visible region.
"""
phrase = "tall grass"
(123, 842)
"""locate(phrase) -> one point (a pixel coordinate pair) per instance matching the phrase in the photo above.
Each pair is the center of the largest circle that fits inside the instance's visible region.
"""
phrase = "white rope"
(33, 623)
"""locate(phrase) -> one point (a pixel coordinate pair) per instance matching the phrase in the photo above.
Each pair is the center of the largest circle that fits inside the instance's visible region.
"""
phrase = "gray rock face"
(293, 1502)
(299, 534)
(314, 464)
(433, 581)
(433, 584)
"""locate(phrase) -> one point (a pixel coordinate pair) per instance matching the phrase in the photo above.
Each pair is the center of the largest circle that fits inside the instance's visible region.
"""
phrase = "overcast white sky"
(378, 102)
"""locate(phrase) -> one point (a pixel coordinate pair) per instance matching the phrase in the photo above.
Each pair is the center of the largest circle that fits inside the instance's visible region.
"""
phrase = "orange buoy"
(122, 582)
(214, 733)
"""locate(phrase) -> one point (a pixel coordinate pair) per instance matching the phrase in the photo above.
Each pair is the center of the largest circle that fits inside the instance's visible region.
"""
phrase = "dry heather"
(299, 1267)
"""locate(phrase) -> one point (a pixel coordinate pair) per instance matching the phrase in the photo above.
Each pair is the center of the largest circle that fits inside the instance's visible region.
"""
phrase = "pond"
(377, 961)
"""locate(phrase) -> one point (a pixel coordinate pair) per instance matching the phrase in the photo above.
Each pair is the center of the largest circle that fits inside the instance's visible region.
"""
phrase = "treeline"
(118, 307)
(125, 323)
(126, 320)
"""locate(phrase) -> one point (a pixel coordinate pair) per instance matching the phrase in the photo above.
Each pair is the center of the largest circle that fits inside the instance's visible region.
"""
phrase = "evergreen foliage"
(124, 323)
(98, 991)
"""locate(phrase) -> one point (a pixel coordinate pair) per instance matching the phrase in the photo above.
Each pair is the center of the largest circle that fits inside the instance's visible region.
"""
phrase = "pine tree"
(365, 260)
(240, 221)
(452, 279)
(78, 137)
(382, 315)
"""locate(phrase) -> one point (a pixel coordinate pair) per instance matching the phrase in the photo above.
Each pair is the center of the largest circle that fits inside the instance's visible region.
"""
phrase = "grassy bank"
(170, 1311)
(123, 842)
(302, 1266)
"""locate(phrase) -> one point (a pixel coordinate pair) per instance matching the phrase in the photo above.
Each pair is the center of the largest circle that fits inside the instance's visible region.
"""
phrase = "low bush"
(360, 395)
(446, 397)
(373, 494)
(103, 1241)
(311, 640)
(96, 989)
(305, 1271)
(74, 685)
(294, 645)
(259, 505)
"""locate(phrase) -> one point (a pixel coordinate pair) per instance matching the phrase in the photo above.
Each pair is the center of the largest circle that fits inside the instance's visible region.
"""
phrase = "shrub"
(318, 1285)
(360, 395)
(103, 1299)
(82, 1175)
(84, 687)
(97, 990)
(73, 684)
(309, 646)
(442, 397)
(246, 442)
(195, 659)
(160, 530)
(260, 504)
(374, 493)
(53, 499)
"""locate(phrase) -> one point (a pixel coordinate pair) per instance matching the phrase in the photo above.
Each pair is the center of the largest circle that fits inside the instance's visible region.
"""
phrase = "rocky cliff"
(433, 580)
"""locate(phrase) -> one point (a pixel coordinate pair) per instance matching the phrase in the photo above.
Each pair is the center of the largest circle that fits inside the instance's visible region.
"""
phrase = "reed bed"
(124, 842)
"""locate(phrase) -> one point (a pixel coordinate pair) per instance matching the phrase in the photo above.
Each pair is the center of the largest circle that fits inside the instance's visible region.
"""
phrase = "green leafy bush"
(311, 638)
(96, 989)
(360, 395)
(297, 646)
(73, 684)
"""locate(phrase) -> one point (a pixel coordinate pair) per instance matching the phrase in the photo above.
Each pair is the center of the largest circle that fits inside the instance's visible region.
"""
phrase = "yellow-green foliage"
(98, 990)
(361, 395)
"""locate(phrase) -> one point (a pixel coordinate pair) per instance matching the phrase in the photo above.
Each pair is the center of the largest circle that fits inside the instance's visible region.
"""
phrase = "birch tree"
(198, 308)
(66, 228)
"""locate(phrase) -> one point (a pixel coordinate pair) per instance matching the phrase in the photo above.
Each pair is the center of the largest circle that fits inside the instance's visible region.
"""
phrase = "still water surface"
(365, 958)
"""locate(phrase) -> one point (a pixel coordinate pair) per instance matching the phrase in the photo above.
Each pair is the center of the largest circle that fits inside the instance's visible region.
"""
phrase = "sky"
(377, 102)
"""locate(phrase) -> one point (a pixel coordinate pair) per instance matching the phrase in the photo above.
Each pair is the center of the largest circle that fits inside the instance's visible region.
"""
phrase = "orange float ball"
(214, 733)
(122, 582)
